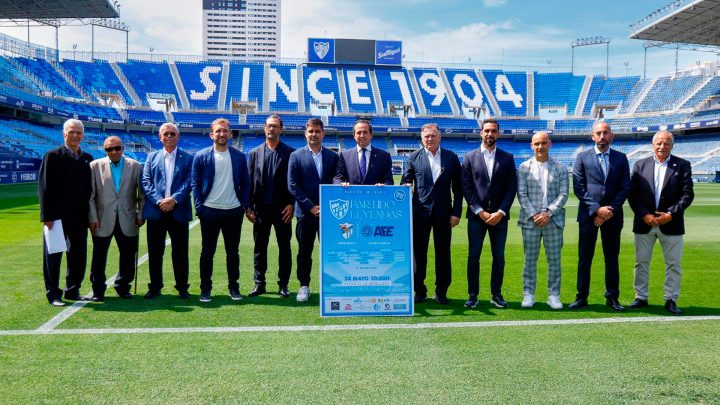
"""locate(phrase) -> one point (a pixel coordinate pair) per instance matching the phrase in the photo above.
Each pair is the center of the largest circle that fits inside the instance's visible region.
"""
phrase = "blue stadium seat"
(359, 90)
(467, 89)
(433, 92)
(557, 90)
(49, 77)
(283, 88)
(510, 91)
(668, 92)
(245, 83)
(150, 77)
(97, 76)
(201, 81)
(394, 86)
(321, 86)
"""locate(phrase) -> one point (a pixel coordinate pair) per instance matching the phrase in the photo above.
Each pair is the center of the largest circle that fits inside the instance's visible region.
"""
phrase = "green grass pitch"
(596, 362)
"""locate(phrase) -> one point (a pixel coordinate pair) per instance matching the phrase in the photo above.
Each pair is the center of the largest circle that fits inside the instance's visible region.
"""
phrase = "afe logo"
(382, 231)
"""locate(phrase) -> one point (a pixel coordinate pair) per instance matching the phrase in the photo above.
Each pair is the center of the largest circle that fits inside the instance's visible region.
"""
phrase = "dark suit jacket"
(64, 186)
(281, 195)
(379, 170)
(480, 192)
(593, 190)
(428, 195)
(203, 176)
(153, 182)
(675, 197)
(303, 180)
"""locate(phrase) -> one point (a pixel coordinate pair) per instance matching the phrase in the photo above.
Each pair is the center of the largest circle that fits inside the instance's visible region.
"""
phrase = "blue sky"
(502, 32)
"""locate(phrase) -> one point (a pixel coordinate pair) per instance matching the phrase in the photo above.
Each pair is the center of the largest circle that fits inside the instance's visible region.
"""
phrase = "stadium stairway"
(71, 81)
(578, 111)
(222, 97)
(489, 94)
(344, 105)
(530, 98)
(376, 92)
(266, 87)
(416, 89)
(28, 74)
(179, 87)
(301, 88)
(126, 84)
(450, 93)
(641, 96)
(693, 92)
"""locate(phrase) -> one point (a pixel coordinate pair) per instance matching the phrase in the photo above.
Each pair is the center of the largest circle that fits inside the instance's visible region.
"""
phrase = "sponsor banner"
(10, 177)
(321, 50)
(388, 53)
(365, 251)
(10, 164)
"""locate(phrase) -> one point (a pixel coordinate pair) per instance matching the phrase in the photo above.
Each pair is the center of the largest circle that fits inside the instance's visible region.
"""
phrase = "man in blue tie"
(601, 182)
(364, 164)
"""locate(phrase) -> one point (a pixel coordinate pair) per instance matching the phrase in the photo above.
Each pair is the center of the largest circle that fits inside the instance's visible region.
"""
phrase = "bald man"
(542, 193)
(116, 204)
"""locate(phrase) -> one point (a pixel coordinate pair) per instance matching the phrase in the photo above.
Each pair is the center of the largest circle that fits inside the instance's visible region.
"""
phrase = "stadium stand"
(150, 78)
(358, 88)
(245, 84)
(711, 88)
(466, 88)
(201, 81)
(609, 91)
(283, 87)
(434, 94)
(667, 92)
(49, 76)
(557, 90)
(321, 86)
(394, 87)
(96, 77)
(12, 76)
(510, 91)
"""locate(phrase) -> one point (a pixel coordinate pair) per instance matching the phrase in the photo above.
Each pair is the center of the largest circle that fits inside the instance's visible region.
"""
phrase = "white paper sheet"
(55, 238)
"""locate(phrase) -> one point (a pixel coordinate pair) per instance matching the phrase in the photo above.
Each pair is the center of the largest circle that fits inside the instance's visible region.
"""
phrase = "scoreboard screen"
(354, 51)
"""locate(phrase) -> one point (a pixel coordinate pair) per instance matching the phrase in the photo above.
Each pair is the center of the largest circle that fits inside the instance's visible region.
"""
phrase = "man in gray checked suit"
(542, 192)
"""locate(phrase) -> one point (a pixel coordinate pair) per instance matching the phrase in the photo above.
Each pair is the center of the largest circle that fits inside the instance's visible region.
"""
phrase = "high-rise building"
(241, 29)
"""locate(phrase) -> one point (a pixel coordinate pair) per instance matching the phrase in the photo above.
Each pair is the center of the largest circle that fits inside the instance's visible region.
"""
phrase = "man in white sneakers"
(542, 193)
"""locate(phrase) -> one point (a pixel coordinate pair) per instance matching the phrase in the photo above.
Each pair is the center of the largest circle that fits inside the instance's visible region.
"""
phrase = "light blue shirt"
(317, 158)
(117, 170)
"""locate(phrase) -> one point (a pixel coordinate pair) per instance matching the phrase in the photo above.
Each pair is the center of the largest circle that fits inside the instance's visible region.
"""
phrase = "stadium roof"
(54, 9)
(682, 21)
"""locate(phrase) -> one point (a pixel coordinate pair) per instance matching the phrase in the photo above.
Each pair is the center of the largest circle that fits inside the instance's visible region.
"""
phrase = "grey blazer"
(105, 201)
(530, 192)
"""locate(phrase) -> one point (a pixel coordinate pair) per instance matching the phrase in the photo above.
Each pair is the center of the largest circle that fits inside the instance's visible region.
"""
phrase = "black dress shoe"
(638, 303)
(498, 301)
(258, 290)
(441, 299)
(579, 303)
(419, 298)
(125, 295)
(283, 291)
(57, 302)
(184, 294)
(152, 294)
(614, 304)
(73, 297)
(471, 302)
(94, 298)
(671, 306)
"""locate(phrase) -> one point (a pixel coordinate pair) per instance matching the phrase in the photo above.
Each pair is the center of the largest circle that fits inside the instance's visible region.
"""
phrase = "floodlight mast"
(589, 42)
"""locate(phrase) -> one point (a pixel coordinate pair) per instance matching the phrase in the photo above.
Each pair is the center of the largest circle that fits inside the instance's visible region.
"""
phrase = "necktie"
(363, 163)
(603, 163)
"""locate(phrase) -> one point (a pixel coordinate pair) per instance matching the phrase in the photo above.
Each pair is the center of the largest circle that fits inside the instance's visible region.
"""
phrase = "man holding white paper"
(64, 191)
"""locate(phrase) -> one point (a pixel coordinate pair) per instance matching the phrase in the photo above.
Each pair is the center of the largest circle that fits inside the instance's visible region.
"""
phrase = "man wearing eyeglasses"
(166, 183)
(116, 203)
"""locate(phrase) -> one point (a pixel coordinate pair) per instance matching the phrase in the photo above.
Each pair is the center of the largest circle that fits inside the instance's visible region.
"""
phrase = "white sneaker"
(303, 294)
(554, 302)
(528, 300)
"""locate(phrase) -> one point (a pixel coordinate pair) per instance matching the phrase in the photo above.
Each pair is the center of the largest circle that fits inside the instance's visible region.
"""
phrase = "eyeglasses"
(113, 149)
(169, 135)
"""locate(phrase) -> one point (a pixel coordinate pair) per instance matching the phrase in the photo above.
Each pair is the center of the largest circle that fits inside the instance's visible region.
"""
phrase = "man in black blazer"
(601, 182)
(661, 191)
(309, 167)
(271, 205)
(64, 189)
(489, 182)
(364, 164)
(437, 205)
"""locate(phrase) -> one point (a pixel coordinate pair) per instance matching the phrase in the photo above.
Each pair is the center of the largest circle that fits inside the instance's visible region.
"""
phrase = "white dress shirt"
(317, 158)
(660, 169)
(435, 166)
(489, 157)
(169, 161)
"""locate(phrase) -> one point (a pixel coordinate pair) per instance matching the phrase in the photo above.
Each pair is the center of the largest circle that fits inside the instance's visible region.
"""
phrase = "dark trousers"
(212, 222)
(264, 221)
(76, 238)
(476, 235)
(157, 230)
(439, 223)
(610, 233)
(305, 231)
(127, 246)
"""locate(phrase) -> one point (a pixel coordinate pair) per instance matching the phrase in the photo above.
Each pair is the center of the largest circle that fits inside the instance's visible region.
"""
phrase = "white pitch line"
(326, 328)
(77, 305)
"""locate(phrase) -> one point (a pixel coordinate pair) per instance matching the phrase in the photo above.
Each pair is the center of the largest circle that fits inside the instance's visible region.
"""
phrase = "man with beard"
(489, 184)
(601, 182)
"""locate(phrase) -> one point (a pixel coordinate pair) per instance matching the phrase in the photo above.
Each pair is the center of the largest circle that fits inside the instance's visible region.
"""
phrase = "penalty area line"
(77, 305)
(355, 327)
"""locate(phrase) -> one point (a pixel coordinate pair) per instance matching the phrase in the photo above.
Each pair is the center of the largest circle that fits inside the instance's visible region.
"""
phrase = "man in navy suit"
(661, 191)
(489, 183)
(271, 205)
(221, 190)
(437, 205)
(601, 182)
(309, 168)
(364, 164)
(166, 183)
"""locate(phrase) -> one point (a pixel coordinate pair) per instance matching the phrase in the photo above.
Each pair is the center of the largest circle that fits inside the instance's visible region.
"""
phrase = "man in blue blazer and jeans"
(166, 183)
(437, 206)
(601, 181)
(221, 190)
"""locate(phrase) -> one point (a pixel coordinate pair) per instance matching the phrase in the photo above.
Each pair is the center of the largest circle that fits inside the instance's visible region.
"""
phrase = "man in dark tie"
(309, 168)
(661, 191)
(601, 182)
(364, 164)
(168, 210)
(437, 205)
(271, 205)
(489, 183)
(220, 185)
(64, 191)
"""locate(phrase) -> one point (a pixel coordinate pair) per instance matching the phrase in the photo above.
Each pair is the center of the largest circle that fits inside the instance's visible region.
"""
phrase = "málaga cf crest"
(321, 48)
(339, 208)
